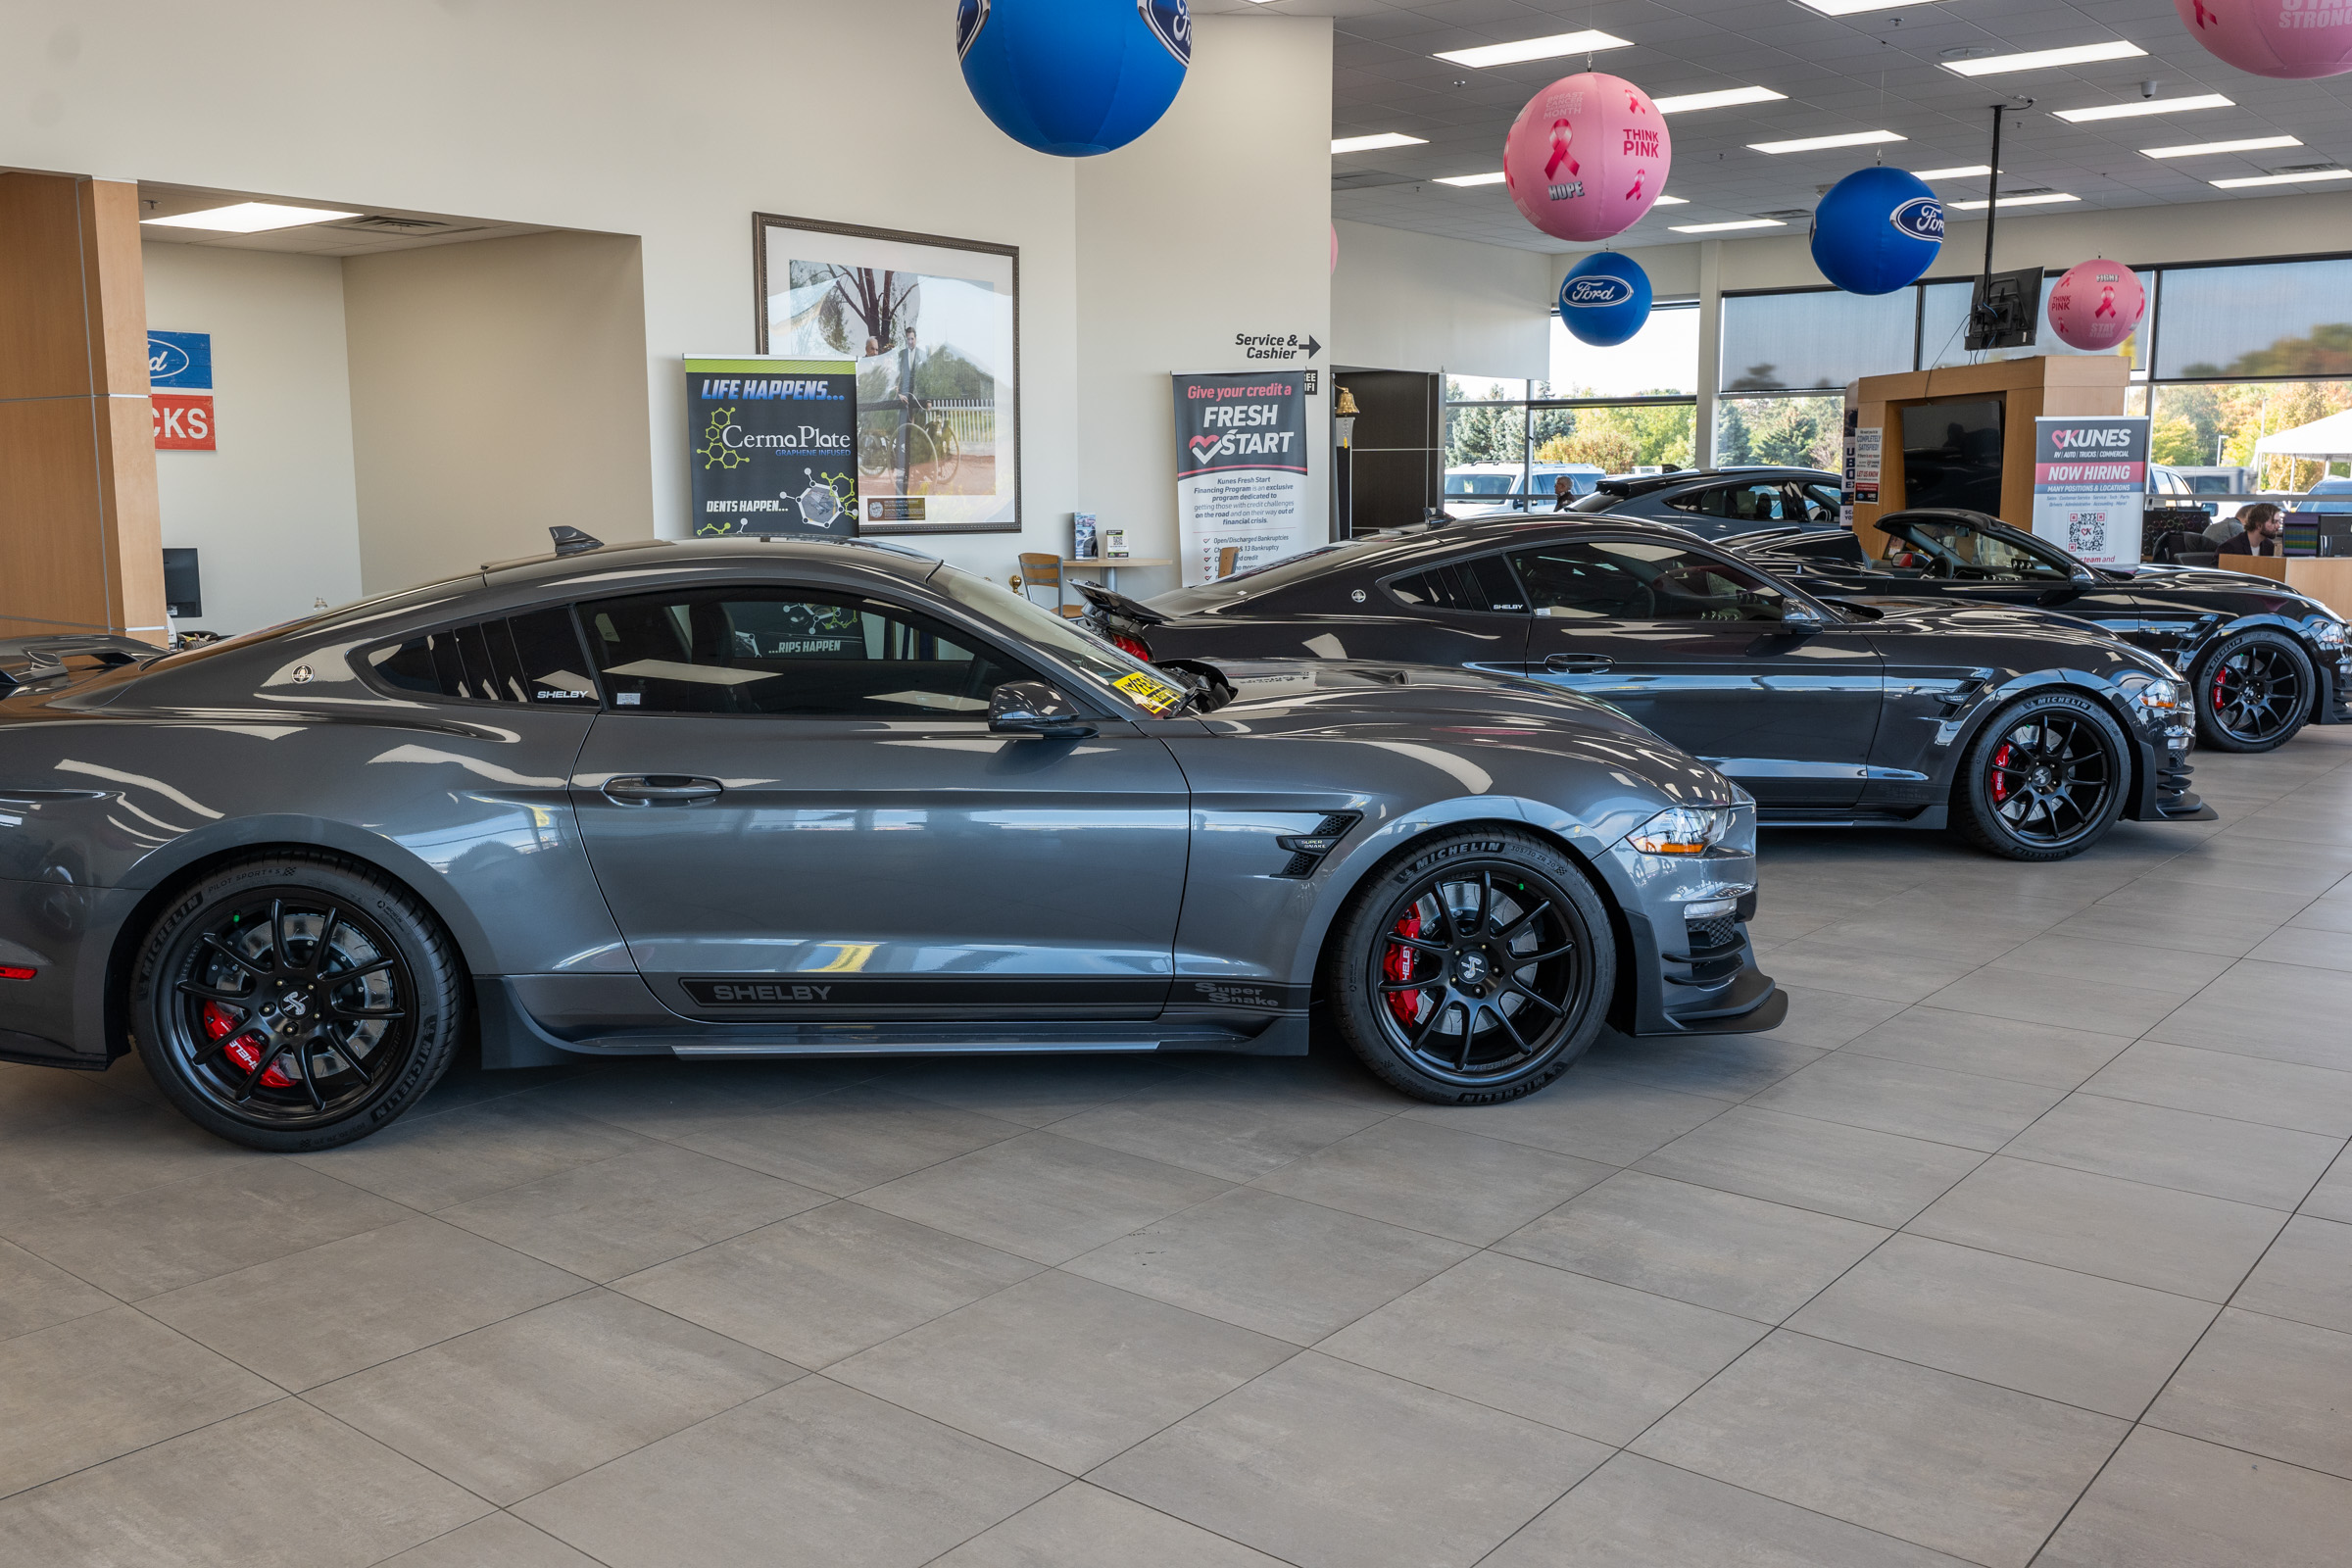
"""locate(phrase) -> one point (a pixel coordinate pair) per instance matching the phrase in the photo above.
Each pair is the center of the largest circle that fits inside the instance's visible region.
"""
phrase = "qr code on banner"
(2085, 531)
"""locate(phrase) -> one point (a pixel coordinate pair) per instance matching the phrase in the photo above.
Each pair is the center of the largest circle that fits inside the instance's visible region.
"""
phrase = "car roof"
(687, 554)
(1642, 485)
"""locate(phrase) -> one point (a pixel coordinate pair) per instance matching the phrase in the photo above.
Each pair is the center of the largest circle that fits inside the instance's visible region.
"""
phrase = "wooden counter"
(2327, 579)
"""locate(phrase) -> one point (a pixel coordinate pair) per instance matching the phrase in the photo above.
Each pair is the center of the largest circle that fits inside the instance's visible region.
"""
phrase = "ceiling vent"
(2305, 168)
(384, 222)
(1368, 180)
(1787, 214)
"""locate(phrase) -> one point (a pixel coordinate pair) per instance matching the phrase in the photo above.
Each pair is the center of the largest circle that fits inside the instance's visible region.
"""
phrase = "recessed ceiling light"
(247, 217)
(1718, 229)
(1814, 144)
(1846, 8)
(1964, 171)
(1669, 201)
(1590, 41)
(1367, 144)
(1717, 100)
(1495, 178)
(2078, 54)
(2301, 178)
(2145, 106)
(2251, 144)
(2039, 199)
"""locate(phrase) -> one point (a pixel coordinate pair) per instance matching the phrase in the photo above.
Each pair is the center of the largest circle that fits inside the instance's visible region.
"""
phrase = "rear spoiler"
(1104, 600)
(32, 660)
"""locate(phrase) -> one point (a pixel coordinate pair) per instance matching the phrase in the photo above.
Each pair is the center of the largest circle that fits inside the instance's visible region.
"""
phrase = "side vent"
(1307, 849)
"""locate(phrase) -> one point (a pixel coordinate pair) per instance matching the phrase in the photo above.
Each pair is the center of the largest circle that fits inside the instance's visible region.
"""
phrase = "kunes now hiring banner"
(1241, 471)
(2090, 480)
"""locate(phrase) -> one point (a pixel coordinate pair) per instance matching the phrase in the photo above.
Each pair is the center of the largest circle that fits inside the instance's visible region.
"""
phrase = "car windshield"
(1946, 549)
(1598, 501)
(1482, 484)
(1035, 624)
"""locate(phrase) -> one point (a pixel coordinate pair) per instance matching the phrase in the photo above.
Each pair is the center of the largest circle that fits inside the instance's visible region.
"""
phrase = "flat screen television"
(183, 585)
(2299, 534)
(1953, 455)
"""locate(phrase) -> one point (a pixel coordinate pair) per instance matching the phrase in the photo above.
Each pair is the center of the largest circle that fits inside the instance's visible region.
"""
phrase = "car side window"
(533, 659)
(1763, 502)
(788, 652)
(1631, 579)
(1481, 583)
(1820, 503)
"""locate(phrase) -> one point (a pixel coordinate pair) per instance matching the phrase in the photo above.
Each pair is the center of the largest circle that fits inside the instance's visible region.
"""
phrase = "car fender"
(1959, 731)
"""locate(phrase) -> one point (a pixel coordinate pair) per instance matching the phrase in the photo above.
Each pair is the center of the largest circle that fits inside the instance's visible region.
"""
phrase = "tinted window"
(533, 658)
(1620, 579)
(1955, 550)
(1823, 503)
(1482, 583)
(787, 652)
(1748, 502)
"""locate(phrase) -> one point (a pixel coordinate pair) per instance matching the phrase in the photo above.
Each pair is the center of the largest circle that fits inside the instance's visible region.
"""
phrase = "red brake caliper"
(1398, 966)
(243, 1051)
(2000, 777)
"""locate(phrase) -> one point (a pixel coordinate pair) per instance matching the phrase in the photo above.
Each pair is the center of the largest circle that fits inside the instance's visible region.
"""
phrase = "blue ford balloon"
(1877, 230)
(1604, 299)
(1074, 78)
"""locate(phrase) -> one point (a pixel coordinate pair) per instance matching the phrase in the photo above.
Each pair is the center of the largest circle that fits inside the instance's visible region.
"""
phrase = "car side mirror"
(1032, 707)
(2051, 597)
(1798, 621)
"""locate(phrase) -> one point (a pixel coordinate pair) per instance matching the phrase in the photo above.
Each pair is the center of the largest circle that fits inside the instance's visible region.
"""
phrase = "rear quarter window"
(529, 660)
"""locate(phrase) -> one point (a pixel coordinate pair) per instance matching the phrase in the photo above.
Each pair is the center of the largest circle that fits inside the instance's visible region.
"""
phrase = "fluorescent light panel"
(1965, 172)
(2146, 105)
(2080, 54)
(2251, 144)
(2305, 177)
(1717, 100)
(1814, 144)
(1495, 178)
(1590, 41)
(2042, 200)
(247, 217)
(1367, 144)
(1669, 201)
(1722, 229)
(1846, 8)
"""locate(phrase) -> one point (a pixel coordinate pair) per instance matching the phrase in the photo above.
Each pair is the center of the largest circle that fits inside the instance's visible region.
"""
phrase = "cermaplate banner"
(2090, 481)
(1241, 471)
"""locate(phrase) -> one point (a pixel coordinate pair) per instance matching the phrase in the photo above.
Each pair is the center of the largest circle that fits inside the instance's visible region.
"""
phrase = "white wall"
(1215, 223)
(672, 123)
(496, 390)
(273, 511)
(1402, 301)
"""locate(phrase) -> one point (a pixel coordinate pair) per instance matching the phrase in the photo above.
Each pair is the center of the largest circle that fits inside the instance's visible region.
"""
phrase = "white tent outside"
(2325, 440)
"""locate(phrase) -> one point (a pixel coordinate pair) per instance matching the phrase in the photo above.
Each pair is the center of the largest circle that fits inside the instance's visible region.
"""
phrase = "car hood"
(1465, 713)
(2068, 638)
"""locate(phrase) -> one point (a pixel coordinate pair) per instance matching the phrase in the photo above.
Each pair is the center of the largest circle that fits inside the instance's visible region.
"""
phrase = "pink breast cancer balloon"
(2097, 305)
(1586, 157)
(2292, 38)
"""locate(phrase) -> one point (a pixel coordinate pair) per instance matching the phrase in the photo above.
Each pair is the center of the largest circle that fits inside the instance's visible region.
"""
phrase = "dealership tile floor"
(2027, 1240)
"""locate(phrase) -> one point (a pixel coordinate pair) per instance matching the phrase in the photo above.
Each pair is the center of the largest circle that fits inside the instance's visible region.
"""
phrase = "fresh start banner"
(1241, 471)
(2090, 482)
(772, 445)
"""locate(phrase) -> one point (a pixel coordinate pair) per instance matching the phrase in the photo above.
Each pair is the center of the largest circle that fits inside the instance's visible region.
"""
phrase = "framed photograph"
(934, 326)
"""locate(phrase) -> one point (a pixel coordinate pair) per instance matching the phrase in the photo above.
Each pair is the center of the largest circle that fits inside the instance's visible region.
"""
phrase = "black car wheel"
(1474, 968)
(296, 1002)
(2253, 692)
(2043, 780)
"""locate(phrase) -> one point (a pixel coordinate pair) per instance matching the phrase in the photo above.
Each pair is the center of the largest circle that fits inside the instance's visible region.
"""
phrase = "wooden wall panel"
(53, 568)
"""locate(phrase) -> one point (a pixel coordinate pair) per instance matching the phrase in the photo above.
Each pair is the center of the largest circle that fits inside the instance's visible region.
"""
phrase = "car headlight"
(2329, 634)
(1682, 830)
(2152, 692)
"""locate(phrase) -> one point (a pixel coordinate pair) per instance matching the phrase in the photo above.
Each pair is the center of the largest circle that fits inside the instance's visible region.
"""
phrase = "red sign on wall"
(184, 421)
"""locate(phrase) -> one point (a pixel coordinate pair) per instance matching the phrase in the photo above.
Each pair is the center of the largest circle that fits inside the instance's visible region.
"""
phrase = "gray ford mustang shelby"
(740, 798)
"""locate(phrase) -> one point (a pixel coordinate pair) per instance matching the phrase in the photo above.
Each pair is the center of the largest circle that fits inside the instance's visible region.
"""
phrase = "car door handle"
(1578, 663)
(663, 789)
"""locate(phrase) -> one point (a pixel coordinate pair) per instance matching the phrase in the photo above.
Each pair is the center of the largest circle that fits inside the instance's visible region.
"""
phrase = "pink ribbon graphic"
(1560, 134)
(2106, 303)
(1633, 104)
(1635, 194)
(2205, 18)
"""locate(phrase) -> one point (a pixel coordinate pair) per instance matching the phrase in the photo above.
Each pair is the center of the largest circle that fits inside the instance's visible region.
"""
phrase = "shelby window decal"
(970, 17)
(1171, 20)
(1921, 218)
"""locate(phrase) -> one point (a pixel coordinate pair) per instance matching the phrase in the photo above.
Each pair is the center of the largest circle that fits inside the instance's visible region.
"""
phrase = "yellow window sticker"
(1151, 691)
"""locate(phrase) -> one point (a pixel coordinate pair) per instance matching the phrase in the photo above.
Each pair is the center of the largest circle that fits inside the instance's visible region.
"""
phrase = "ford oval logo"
(165, 360)
(970, 17)
(1172, 22)
(1921, 218)
(1596, 290)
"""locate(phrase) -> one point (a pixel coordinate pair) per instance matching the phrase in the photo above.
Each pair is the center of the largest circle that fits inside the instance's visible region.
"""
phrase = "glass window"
(1818, 338)
(533, 658)
(1938, 549)
(787, 650)
(1481, 583)
(2276, 320)
(1626, 579)
(1757, 501)
(1790, 432)
(2214, 429)
(1661, 358)
(1614, 438)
